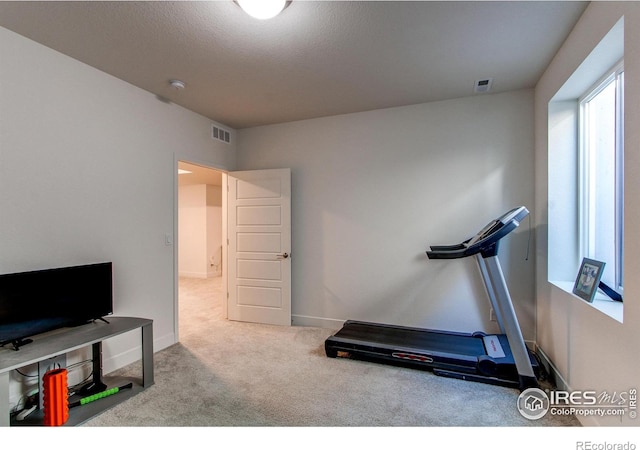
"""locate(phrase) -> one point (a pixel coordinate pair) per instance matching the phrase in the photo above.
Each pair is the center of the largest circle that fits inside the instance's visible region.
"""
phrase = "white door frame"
(207, 164)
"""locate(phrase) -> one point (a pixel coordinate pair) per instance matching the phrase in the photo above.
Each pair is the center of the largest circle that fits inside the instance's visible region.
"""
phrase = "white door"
(259, 247)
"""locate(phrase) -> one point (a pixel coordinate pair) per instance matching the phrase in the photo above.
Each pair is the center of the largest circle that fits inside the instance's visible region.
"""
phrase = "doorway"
(199, 256)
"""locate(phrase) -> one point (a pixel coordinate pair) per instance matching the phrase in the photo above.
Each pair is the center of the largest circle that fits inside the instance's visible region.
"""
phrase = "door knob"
(283, 256)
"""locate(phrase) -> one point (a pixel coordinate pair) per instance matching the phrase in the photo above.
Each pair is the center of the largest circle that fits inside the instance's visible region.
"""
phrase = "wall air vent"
(220, 134)
(482, 86)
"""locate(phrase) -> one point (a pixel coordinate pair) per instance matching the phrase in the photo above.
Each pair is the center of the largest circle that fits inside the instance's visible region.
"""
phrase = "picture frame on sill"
(588, 279)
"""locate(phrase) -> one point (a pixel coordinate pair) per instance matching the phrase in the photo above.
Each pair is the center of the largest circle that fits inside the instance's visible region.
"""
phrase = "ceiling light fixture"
(263, 9)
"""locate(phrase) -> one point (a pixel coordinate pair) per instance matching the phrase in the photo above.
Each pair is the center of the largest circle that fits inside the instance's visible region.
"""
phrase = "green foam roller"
(99, 395)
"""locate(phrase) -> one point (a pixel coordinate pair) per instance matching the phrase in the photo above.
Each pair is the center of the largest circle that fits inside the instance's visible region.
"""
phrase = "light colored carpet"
(225, 373)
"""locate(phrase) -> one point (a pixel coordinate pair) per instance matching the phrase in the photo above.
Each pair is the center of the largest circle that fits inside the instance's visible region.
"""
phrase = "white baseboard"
(201, 275)
(562, 385)
(133, 355)
(318, 322)
(554, 374)
(187, 274)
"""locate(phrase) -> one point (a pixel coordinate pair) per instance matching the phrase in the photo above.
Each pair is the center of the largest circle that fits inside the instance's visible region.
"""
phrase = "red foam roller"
(56, 401)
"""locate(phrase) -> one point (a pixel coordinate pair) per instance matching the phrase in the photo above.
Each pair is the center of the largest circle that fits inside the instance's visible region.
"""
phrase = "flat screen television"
(43, 300)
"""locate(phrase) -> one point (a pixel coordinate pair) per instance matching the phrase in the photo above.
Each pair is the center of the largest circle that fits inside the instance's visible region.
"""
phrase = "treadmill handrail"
(449, 248)
(485, 241)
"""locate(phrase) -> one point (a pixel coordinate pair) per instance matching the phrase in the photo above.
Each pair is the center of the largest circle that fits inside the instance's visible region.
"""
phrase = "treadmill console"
(485, 241)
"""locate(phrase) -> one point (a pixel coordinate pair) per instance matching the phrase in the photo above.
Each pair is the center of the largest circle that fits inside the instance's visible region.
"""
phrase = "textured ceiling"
(317, 58)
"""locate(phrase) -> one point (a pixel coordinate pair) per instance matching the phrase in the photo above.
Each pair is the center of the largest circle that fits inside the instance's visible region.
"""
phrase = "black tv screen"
(44, 300)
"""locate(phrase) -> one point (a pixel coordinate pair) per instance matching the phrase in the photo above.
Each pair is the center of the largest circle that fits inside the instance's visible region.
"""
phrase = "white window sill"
(601, 302)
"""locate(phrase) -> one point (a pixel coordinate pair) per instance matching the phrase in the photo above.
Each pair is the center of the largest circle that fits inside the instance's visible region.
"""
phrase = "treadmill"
(502, 359)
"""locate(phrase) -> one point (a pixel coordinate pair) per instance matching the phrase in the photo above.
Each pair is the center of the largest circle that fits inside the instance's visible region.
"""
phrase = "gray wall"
(87, 174)
(590, 350)
(371, 192)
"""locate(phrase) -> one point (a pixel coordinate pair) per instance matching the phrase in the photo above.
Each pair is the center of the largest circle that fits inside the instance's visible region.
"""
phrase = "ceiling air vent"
(482, 86)
(220, 134)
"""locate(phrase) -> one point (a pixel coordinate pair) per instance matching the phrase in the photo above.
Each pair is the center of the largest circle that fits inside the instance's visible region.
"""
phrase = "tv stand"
(56, 344)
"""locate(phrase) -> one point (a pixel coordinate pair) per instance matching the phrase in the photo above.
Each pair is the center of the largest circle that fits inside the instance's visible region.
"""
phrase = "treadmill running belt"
(411, 338)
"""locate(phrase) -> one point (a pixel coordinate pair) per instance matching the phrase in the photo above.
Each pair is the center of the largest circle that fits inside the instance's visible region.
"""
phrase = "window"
(585, 170)
(601, 175)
